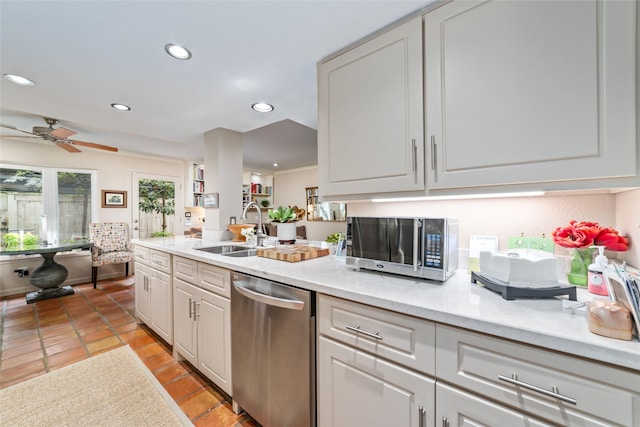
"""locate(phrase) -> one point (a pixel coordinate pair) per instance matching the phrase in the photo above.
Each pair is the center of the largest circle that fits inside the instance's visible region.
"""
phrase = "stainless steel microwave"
(418, 247)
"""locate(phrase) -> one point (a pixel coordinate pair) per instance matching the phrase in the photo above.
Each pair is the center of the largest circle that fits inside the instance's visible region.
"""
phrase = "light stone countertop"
(457, 302)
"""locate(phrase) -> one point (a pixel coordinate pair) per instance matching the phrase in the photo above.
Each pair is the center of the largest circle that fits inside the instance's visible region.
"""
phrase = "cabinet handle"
(195, 312)
(434, 159)
(414, 162)
(445, 422)
(189, 308)
(363, 332)
(551, 393)
(146, 283)
(421, 416)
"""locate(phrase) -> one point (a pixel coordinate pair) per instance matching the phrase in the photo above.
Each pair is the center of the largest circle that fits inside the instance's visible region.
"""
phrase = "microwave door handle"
(416, 232)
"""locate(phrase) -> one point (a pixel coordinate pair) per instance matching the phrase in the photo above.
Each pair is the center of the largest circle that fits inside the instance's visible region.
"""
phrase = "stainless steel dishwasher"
(273, 352)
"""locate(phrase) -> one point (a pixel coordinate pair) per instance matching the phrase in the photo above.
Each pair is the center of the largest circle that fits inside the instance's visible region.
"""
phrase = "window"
(56, 205)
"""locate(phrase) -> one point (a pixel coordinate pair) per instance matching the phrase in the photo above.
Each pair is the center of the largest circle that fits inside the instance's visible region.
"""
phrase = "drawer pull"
(357, 329)
(551, 393)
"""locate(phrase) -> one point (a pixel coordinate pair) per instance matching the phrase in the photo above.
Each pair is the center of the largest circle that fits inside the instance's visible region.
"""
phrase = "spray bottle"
(596, 283)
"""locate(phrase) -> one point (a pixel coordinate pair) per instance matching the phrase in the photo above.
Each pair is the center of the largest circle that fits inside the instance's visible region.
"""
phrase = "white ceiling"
(85, 55)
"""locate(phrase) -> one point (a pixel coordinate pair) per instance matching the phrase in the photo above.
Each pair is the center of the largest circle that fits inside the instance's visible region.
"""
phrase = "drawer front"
(214, 279)
(185, 269)
(141, 254)
(456, 408)
(509, 372)
(160, 260)
(397, 337)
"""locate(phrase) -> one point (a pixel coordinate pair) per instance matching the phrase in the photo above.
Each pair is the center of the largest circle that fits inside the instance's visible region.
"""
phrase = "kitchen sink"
(223, 250)
(242, 254)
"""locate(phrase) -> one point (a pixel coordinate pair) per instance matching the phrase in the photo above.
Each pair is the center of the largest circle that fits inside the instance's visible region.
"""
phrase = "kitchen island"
(457, 302)
(430, 350)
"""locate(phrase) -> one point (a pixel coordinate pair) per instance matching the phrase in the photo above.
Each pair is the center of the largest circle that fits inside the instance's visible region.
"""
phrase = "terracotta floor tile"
(21, 349)
(66, 358)
(198, 403)
(63, 346)
(18, 339)
(96, 334)
(151, 350)
(141, 341)
(59, 338)
(22, 372)
(21, 359)
(223, 416)
(103, 344)
(183, 387)
(170, 372)
(158, 361)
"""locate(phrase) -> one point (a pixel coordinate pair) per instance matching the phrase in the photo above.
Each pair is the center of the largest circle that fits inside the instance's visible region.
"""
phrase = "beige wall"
(628, 223)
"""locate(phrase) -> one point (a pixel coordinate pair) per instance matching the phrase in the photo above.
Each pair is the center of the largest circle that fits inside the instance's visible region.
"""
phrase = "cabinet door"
(213, 315)
(161, 305)
(359, 389)
(143, 311)
(184, 324)
(370, 124)
(513, 96)
(456, 408)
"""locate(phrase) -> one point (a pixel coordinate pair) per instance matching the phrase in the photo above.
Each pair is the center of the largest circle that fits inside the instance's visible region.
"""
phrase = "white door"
(156, 210)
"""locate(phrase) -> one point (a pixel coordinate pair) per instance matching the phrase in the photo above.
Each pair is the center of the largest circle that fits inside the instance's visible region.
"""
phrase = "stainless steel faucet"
(259, 234)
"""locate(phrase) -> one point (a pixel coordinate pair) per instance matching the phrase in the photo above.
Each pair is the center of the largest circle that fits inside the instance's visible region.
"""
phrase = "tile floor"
(47, 335)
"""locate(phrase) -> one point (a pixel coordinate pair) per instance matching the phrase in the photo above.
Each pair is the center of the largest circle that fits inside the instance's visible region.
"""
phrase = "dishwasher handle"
(290, 304)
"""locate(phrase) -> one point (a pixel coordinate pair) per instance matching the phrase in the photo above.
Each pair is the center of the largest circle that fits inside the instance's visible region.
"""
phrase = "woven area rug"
(110, 389)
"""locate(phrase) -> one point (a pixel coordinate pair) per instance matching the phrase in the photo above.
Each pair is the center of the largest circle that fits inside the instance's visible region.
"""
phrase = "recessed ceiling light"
(177, 51)
(121, 107)
(19, 80)
(275, 165)
(262, 107)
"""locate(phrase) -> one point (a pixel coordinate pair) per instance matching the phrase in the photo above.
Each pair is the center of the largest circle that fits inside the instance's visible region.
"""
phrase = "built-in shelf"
(198, 185)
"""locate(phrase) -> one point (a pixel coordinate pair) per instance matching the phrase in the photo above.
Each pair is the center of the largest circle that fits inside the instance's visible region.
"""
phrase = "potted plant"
(333, 239)
(285, 219)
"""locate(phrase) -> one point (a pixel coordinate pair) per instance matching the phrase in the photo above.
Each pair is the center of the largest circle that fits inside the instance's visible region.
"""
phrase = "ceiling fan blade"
(62, 133)
(66, 146)
(15, 128)
(94, 145)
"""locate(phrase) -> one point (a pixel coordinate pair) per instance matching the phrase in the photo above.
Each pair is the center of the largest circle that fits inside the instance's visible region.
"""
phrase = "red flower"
(610, 238)
(582, 234)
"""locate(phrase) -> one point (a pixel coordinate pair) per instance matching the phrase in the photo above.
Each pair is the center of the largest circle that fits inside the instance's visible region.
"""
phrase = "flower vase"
(580, 261)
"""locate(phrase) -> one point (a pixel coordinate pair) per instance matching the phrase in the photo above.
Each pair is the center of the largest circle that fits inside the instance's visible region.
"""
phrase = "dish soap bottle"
(596, 284)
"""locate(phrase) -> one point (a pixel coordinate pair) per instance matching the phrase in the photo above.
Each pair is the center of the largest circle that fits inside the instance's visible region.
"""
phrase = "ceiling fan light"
(177, 51)
(121, 107)
(19, 80)
(262, 107)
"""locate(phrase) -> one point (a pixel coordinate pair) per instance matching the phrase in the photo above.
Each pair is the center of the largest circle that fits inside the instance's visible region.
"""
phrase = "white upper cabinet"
(530, 92)
(370, 116)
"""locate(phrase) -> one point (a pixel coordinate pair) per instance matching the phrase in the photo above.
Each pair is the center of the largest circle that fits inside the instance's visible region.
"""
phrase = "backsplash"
(533, 216)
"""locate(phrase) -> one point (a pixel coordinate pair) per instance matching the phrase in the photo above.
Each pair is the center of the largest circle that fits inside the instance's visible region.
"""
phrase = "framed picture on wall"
(211, 200)
(114, 199)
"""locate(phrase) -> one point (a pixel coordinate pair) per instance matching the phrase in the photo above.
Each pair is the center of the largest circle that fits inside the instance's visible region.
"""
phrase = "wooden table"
(49, 275)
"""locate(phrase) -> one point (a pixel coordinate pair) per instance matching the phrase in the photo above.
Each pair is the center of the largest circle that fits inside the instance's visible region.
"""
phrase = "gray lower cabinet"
(373, 367)
(202, 319)
(153, 291)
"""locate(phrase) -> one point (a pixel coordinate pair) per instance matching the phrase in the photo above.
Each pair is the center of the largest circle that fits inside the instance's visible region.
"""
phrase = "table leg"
(48, 276)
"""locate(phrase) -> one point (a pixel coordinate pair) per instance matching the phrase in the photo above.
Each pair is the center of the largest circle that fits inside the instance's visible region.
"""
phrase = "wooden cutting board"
(293, 253)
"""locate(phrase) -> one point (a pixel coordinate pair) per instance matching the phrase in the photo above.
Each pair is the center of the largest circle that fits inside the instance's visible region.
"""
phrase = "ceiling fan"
(60, 137)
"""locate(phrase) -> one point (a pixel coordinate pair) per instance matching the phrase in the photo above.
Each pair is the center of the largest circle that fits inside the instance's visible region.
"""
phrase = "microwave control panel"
(433, 232)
